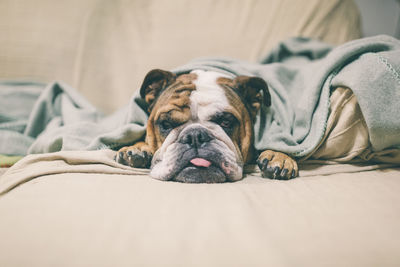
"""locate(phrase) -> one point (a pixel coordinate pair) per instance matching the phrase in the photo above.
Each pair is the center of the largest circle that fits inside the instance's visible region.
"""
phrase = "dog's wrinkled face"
(200, 124)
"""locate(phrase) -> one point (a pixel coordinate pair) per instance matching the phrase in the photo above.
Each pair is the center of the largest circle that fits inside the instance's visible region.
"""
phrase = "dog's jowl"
(200, 128)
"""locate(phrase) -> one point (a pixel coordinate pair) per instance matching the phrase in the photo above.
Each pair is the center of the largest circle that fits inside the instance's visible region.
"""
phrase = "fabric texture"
(346, 136)
(35, 118)
(105, 48)
(301, 74)
(102, 162)
(82, 209)
(61, 119)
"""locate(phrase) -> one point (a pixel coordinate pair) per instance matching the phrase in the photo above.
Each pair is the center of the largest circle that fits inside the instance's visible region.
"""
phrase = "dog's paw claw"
(262, 164)
(284, 173)
(277, 165)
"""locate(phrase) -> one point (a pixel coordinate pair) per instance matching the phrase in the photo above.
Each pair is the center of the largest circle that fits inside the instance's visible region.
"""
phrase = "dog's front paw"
(277, 165)
(137, 156)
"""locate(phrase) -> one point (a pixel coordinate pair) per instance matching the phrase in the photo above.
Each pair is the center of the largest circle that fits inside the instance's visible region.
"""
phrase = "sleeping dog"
(200, 129)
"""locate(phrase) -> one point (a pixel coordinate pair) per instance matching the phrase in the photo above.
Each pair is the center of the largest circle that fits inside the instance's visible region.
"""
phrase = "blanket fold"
(102, 162)
(301, 73)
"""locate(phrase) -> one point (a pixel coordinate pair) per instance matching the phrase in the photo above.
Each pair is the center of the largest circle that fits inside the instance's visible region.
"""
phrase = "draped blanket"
(300, 73)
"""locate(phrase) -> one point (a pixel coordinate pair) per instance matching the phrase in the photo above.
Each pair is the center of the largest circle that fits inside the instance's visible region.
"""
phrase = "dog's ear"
(254, 91)
(154, 83)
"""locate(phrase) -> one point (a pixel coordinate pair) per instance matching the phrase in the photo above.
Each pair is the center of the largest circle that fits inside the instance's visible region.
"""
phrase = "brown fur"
(174, 103)
(244, 136)
(168, 96)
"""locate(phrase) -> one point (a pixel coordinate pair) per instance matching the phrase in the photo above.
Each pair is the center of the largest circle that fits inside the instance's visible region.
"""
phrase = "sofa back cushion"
(105, 48)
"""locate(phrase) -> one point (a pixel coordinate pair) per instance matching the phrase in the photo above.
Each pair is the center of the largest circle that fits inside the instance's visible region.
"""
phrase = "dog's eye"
(166, 125)
(226, 120)
(225, 123)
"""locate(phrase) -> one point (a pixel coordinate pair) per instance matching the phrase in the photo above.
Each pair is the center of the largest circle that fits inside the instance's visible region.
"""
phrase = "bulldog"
(200, 129)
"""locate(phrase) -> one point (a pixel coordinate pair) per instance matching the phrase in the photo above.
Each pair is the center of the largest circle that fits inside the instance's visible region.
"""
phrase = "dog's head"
(200, 125)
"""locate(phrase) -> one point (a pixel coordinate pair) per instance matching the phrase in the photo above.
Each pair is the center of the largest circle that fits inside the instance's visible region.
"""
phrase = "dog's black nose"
(195, 137)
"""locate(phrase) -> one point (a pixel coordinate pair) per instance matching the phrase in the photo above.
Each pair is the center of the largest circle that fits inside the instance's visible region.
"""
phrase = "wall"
(380, 17)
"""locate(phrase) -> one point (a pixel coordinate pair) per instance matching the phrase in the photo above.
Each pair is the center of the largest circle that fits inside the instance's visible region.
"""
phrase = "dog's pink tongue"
(199, 162)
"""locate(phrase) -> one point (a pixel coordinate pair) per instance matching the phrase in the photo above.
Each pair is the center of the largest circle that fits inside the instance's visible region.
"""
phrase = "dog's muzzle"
(197, 155)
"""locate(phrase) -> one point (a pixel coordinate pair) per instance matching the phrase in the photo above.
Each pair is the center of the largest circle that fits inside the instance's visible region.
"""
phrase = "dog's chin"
(193, 174)
(205, 165)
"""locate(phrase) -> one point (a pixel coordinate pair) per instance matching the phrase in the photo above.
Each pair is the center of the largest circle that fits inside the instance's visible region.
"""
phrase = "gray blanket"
(35, 118)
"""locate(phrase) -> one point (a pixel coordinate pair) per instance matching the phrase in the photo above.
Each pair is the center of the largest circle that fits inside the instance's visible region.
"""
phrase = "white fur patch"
(166, 158)
(208, 98)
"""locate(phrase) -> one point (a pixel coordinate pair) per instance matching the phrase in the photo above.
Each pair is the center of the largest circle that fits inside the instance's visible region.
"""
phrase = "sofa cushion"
(105, 48)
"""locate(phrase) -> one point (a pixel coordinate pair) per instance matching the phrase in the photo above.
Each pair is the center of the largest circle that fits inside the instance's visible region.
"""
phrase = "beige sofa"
(83, 209)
